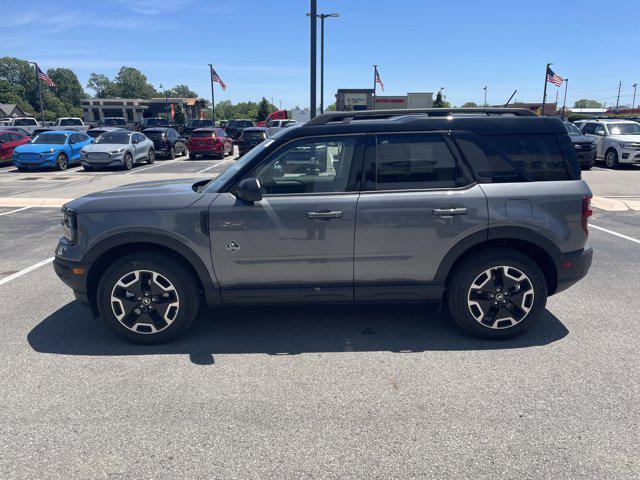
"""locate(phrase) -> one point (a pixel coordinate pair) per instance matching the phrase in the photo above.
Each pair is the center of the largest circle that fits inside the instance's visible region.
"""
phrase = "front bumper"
(113, 160)
(74, 275)
(47, 160)
(629, 156)
(580, 261)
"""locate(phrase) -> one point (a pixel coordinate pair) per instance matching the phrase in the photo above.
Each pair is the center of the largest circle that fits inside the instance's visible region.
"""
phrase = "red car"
(8, 141)
(209, 142)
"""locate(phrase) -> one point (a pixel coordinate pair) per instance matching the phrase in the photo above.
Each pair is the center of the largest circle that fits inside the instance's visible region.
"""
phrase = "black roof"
(157, 129)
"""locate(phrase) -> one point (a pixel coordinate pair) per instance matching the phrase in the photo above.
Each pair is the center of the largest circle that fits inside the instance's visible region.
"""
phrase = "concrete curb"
(33, 202)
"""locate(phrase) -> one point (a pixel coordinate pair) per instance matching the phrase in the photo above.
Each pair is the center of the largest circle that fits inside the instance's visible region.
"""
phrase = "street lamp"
(485, 96)
(322, 16)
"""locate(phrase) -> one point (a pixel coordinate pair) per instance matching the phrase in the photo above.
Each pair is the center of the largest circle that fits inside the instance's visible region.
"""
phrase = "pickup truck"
(29, 124)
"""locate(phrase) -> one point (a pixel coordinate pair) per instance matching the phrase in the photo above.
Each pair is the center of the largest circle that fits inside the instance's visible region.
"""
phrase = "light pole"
(564, 102)
(485, 96)
(322, 16)
(618, 99)
(313, 57)
(633, 105)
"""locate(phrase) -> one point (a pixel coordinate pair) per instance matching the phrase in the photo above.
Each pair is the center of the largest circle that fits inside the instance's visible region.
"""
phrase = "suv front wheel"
(148, 298)
(497, 294)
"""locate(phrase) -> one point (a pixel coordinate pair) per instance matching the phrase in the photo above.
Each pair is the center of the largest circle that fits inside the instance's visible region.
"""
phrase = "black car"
(167, 141)
(153, 122)
(192, 125)
(250, 137)
(235, 127)
(585, 146)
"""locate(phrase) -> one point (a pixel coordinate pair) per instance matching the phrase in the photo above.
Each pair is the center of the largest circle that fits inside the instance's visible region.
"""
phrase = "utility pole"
(312, 80)
(544, 95)
(557, 90)
(564, 102)
(213, 104)
(375, 73)
(485, 96)
(39, 92)
(618, 99)
(633, 105)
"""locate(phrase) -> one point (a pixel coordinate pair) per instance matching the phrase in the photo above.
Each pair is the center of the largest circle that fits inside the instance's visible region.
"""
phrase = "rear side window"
(513, 158)
(413, 162)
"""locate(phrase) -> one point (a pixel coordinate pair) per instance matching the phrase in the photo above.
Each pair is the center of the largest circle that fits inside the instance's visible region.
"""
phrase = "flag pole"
(375, 71)
(39, 92)
(213, 105)
(544, 95)
(564, 102)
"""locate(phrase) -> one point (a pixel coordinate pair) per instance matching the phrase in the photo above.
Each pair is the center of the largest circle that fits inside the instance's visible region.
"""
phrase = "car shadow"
(292, 330)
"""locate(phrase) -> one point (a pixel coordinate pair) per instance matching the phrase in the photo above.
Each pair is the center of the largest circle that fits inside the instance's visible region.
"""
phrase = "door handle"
(449, 212)
(325, 215)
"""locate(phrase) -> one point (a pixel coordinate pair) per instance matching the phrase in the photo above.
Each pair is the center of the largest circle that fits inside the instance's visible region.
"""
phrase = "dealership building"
(135, 109)
(363, 99)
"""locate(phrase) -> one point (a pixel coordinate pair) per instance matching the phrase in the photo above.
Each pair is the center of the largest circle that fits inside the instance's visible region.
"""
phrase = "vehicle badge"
(233, 246)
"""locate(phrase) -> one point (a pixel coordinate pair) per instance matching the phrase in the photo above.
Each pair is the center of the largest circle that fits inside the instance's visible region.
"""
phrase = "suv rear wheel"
(148, 298)
(497, 295)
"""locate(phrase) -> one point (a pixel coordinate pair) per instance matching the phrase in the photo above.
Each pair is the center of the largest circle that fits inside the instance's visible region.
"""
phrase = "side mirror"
(249, 190)
(602, 134)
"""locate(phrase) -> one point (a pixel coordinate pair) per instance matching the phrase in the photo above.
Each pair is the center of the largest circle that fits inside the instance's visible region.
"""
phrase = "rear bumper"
(580, 263)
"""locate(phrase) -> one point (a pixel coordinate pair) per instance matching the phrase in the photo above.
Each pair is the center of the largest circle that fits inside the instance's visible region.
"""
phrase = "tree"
(101, 84)
(586, 103)
(331, 108)
(182, 91)
(68, 88)
(440, 102)
(19, 73)
(178, 115)
(263, 110)
(470, 105)
(132, 83)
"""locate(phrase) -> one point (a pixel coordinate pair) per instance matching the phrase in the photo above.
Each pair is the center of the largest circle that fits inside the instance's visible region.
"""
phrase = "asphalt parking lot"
(314, 392)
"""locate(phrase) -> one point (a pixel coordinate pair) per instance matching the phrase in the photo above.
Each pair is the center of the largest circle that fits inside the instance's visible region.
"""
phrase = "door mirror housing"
(249, 190)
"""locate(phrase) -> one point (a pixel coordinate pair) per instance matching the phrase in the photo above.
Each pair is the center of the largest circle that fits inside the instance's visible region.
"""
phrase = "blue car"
(58, 149)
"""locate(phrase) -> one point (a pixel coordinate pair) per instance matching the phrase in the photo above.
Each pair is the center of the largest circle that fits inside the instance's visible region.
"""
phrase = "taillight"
(586, 212)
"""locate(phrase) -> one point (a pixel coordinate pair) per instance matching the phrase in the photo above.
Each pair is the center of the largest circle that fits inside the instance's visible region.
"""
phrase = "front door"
(416, 204)
(296, 244)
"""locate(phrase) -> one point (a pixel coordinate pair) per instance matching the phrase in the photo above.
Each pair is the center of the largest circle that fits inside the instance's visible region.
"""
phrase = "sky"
(261, 48)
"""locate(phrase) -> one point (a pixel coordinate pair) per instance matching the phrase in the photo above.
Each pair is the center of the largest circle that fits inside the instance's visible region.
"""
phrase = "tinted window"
(116, 137)
(310, 165)
(199, 123)
(95, 133)
(589, 128)
(5, 137)
(51, 138)
(413, 161)
(115, 122)
(25, 121)
(572, 129)
(206, 134)
(67, 122)
(244, 123)
(515, 158)
(138, 137)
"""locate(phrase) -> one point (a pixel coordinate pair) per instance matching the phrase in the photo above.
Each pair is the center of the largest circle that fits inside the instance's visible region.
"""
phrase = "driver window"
(599, 130)
(310, 165)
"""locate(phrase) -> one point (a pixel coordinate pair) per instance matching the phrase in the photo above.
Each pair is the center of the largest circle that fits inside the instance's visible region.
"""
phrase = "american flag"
(553, 78)
(215, 78)
(43, 76)
(378, 79)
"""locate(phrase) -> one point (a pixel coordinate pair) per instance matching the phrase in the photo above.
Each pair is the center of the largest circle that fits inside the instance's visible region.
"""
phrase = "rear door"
(417, 203)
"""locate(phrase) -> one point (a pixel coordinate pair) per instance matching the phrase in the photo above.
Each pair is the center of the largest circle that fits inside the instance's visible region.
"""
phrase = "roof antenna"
(512, 95)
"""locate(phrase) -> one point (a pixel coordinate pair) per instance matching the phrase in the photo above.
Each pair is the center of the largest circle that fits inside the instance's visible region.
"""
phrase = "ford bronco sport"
(481, 209)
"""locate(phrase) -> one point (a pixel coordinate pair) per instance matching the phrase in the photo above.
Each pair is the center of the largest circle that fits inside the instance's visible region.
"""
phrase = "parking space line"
(631, 239)
(25, 270)
(135, 170)
(14, 211)
(216, 165)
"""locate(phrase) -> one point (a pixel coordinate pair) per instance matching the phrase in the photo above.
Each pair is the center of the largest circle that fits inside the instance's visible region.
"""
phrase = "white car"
(117, 148)
(618, 140)
(275, 126)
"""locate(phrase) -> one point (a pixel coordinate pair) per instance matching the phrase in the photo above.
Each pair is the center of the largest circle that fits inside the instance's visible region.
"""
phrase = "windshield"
(67, 122)
(624, 128)
(204, 134)
(114, 121)
(114, 137)
(154, 121)
(24, 121)
(199, 123)
(572, 129)
(216, 184)
(253, 134)
(51, 138)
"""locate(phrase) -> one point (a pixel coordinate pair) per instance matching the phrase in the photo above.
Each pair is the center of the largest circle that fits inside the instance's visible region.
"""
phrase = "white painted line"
(214, 166)
(26, 270)
(166, 162)
(631, 239)
(14, 211)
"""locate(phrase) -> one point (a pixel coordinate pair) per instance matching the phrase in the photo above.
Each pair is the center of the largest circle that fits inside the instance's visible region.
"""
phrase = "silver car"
(118, 148)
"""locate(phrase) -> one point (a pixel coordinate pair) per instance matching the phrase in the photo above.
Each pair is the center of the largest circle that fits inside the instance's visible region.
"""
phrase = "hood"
(155, 195)
(581, 139)
(37, 148)
(625, 138)
(104, 147)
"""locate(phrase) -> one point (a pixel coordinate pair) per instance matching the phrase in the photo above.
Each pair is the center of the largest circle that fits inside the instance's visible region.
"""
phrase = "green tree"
(439, 101)
(19, 73)
(182, 91)
(68, 89)
(587, 103)
(132, 83)
(263, 110)
(470, 105)
(178, 115)
(330, 108)
(101, 85)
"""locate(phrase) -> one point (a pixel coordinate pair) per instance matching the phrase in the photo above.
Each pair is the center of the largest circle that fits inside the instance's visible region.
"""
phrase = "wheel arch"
(540, 249)
(104, 253)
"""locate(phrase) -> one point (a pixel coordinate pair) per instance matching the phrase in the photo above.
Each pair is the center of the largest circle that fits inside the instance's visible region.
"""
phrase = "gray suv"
(481, 209)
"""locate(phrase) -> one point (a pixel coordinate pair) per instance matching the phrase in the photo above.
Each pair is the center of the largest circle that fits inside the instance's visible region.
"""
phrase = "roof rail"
(347, 117)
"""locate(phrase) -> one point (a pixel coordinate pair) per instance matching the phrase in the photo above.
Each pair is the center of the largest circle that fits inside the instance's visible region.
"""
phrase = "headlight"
(119, 150)
(69, 223)
(51, 150)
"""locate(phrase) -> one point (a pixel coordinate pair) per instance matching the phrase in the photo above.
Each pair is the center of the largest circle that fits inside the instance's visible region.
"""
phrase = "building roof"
(11, 110)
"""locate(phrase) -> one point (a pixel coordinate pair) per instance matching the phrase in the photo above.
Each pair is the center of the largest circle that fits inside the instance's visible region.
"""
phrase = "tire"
(185, 152)
(166, 290)
(476, 290)
(193, 156)
(172, 153)
(62, 162)
(611, 159)
(588, 166)
(87, 168)
(220, 156)
(151, 157)
(127, 162)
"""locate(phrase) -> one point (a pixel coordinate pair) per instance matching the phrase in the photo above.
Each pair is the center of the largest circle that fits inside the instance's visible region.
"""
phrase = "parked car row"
(616, 141)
